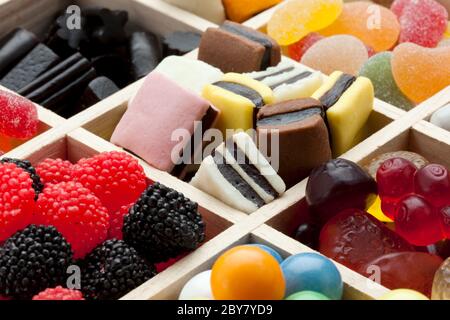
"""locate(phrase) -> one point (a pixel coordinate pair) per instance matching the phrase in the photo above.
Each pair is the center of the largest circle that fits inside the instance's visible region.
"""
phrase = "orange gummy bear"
(421, 72)
(241, 10)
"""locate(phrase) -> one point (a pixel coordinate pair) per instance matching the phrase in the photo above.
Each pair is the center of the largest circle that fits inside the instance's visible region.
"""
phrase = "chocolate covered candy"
(180, 43)
(145, 53)
(36, 62)
(159, 109)
(289, 80)
(302, 143)
(239, 175)
(238, 97)
(348, 102)
(236, 48)
(14, 46)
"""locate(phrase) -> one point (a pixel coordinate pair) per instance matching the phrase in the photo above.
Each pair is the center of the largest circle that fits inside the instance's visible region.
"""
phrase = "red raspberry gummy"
(55, 171)
(59, 293)
(395, 178)
(418, 221)
(116, 178)
(16, 200)
(433, 183)
(18, 116)
(298, 49)
(76, 212)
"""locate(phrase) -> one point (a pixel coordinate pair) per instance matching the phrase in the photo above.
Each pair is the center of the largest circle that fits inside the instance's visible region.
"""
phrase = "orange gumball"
(247, 273)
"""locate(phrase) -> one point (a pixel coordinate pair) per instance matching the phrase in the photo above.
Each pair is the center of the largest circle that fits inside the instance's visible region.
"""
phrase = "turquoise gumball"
(312, 272)
(307, 295)
(268, 249)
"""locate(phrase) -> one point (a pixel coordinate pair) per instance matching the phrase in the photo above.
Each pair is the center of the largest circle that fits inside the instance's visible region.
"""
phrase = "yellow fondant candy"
(403, 294)
(375, 210)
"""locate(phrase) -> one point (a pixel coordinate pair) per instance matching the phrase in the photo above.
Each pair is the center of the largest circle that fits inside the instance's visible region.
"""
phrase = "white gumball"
(199, 287)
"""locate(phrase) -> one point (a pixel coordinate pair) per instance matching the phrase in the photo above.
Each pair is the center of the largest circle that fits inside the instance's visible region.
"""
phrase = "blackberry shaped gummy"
(32, 260)
(38, 186)
(112, 270)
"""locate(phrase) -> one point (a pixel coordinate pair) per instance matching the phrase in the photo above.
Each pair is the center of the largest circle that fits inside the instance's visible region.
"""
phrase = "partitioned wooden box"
(88, 133)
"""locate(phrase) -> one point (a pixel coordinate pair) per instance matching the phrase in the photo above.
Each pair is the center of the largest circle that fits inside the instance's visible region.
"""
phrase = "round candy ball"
(247, 273)
(312, 272)
(199, 287)
(403, 294)
(307, 295)
(273, 252)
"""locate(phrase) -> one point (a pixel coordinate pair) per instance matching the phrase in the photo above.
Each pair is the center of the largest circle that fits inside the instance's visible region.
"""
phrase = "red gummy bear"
(354, 238)
(433, 183)
(406, 270)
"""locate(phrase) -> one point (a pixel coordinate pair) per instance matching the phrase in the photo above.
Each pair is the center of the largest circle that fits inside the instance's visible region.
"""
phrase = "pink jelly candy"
(18, 116)
(298, 49)
(433, 183)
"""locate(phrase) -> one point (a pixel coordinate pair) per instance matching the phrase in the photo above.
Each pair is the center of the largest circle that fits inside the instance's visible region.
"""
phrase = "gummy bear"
(421, 72)
(395, 178)
(375, 25)
(422, 22)
(354, 238)
(433, 183)
(298, 49)
(295, 19)
(441, 282)
(18, 116)
(417, 221)
(337, 53)
(408, 270)
(378, 70)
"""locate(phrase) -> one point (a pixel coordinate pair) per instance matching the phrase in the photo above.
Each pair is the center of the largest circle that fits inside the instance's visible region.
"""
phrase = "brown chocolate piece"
(236, 48)
(303, 136)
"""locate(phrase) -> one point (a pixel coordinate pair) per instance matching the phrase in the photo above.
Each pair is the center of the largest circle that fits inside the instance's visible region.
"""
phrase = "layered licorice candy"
(238, 97)
(161, 122)
(145, 53)
(235, 48)
(289, 80)
(239, 175)
(348, 102)
(180, 43)
(295, 131)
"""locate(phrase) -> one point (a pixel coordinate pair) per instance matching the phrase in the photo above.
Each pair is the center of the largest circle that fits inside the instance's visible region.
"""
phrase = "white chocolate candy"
(441, 118)
(211, 10)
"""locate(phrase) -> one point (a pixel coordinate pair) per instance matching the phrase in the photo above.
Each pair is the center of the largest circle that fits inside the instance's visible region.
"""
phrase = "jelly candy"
(375, 210)
(199, 287)
(247, 273)
(294, 20)
(378, 70)
(268, 249)
(441, 283)
(338, 185)
(433, 183)
(298, 49)
(445, 221)
(374, 25)
(421, 72)
(422, 22)
(354, 238)
(323, 55)
(403, 294)
(18, 116)
(417, 221)
(312, 272)
(406, 270)
(308, 234)
(241, 10)
(307, 295)
(395, 178)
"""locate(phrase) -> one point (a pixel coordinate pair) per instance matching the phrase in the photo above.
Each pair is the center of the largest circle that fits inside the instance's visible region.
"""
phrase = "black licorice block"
(180, 43)
(145, 53)
(98, 89)
(113, 66)
(36, 62)
(14, 47)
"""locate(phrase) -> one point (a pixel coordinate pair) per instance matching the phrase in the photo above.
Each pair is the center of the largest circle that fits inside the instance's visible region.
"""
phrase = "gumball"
(312, 272)
(273, 252)
(403, 294)
(307, 295)
(247, 273)
(433, 183)
(198, 287)
(417, 221)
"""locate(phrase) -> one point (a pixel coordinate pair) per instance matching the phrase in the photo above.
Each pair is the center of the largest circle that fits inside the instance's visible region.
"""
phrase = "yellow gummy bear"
(294, 20)
(375, 210)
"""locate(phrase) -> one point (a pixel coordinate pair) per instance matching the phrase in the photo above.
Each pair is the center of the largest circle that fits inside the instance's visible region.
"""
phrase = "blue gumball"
(312, 272)
(268, 249)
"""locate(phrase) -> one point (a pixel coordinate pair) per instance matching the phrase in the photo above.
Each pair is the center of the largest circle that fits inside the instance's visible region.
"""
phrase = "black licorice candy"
(180, 43)
(145, 53)
(36, 62)
(98, 89)
(14, 47)
(113, 66)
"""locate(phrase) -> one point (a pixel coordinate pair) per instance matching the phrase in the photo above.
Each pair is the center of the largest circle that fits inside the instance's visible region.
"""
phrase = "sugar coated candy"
(354, 238)
(241, 10)
(18, 116)
(199, 287)
(294, 20)
(422, 22)
(421, 72)
(441, 118)
(378, 69)
(441, 283)
(268, 249)
(298, 49)
(373, 24)
(247, 273)
(323, 55)
(403, 294)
